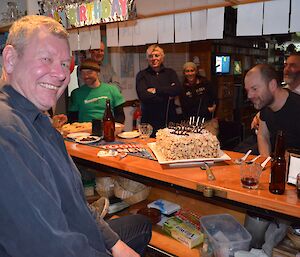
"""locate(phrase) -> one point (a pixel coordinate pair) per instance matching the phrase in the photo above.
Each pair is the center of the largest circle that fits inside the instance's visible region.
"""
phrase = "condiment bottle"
(108, 123)
(278, 166)
(136, 121)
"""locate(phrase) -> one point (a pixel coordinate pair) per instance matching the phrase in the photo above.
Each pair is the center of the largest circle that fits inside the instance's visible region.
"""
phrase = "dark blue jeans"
(134, 230)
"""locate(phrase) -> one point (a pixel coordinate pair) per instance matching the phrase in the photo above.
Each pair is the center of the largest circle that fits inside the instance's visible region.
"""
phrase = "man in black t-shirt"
(280, 108)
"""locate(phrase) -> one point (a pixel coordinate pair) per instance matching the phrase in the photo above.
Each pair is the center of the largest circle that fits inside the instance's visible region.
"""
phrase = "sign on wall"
(85, 13)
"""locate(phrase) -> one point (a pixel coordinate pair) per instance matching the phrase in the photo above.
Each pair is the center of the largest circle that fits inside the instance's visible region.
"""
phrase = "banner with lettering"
(93, 12)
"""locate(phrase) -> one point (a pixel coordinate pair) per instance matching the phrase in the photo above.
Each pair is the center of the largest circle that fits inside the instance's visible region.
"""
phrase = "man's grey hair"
(153, 48)
(24, 28)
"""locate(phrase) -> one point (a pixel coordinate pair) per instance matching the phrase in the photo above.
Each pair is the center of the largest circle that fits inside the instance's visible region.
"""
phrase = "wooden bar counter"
(226, 185)
(185, 186)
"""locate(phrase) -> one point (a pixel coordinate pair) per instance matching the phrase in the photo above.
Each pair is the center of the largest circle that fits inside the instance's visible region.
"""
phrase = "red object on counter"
(137, 115)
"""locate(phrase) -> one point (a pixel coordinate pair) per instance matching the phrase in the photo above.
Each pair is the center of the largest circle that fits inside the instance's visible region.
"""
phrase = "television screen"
(223, 64)
(237, 67)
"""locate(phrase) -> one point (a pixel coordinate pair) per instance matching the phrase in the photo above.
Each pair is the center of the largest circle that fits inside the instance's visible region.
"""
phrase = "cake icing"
(188, 146)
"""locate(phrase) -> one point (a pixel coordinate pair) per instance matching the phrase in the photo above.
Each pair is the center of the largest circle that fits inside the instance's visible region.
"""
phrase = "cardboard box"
(183, 232)
(164, 206)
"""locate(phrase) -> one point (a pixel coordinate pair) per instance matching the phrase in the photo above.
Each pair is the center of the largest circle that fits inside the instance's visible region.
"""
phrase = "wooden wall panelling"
(202, 50)
(225, 93)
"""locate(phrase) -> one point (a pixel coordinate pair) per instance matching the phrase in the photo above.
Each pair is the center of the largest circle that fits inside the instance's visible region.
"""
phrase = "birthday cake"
(187, 145)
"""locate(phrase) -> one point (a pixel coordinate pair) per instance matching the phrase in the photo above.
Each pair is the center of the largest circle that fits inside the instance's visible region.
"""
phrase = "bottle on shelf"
(108, 123)
(278, 166)
(137, 115)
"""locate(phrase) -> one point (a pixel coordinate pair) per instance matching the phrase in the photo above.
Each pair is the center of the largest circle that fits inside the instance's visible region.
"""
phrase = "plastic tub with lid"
(225, 234)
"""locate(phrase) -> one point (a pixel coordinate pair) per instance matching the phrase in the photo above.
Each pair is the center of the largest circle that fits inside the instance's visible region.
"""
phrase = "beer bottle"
(278, 166)
(108, 123)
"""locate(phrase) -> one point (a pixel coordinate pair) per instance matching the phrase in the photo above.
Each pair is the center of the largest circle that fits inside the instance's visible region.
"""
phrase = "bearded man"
(279, 108)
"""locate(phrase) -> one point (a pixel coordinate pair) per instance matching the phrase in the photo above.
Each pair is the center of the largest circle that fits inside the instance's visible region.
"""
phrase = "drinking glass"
(145, 130)
(250, 174)
(97, 127)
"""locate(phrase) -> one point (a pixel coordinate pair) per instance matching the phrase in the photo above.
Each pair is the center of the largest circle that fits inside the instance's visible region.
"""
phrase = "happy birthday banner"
(98, 11)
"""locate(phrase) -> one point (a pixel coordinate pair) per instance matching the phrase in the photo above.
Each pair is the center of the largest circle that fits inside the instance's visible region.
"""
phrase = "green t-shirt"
(90, 102)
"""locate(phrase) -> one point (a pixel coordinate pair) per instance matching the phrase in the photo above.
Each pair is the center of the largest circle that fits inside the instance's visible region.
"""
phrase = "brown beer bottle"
(278, 166)
(108, 123)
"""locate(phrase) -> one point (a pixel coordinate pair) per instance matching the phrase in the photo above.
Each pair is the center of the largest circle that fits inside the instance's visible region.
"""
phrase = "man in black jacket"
(156, 87)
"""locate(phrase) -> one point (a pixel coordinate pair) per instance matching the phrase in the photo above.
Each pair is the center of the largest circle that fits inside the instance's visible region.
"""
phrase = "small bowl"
(153, 214)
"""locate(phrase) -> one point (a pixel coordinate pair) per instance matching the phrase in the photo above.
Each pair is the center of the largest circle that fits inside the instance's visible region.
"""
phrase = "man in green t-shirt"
(88, 101)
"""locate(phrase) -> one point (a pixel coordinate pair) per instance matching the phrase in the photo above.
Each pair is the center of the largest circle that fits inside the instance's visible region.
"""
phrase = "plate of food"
(129, 134)
(78, 134)
(162, 160)
(88, 139)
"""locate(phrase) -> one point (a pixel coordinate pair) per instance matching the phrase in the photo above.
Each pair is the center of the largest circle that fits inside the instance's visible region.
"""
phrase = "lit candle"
(197, 121)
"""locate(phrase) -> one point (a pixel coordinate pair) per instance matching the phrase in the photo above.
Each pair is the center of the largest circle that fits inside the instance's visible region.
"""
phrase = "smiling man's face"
(155, 59)
(42, 72)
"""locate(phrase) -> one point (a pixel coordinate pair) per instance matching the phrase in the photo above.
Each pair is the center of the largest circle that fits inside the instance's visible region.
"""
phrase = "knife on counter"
(209, 173)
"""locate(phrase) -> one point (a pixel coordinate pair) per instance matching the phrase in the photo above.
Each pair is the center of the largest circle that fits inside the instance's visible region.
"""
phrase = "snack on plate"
(77, 127)
(86, 127)
(189, 145)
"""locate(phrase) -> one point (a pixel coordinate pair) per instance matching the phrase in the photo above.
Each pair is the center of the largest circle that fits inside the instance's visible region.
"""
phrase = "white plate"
(87, 139)
(78, 134)
(161, 160)
(129, 134)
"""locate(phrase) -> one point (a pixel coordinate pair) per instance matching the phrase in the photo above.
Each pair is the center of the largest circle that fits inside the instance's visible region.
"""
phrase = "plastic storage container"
(225, 234)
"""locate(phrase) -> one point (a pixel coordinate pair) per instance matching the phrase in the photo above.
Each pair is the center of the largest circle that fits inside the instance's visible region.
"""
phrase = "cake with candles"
(187, 142)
